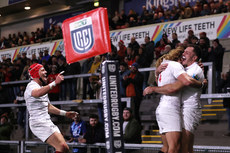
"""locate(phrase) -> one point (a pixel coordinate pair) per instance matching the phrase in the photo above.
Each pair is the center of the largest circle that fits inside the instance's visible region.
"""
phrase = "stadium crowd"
(157, 15)
(120, 20)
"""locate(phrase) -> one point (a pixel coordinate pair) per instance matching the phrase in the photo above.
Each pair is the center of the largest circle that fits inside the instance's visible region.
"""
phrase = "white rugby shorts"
(191, 118)
(168, 119)
(43, 129)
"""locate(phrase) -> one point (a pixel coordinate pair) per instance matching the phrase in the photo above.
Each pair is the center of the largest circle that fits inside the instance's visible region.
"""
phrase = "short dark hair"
(196, 50)
(217, 41)
(93, 116)
(174, 33)
(124, 64)
(128, 109)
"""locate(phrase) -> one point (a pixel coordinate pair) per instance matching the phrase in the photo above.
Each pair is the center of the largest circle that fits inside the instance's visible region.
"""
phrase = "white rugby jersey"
(37, 107)
(191, 96)
(169, 75)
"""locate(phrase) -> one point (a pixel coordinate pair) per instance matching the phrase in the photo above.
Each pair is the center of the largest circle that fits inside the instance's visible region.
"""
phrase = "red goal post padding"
(86, 35)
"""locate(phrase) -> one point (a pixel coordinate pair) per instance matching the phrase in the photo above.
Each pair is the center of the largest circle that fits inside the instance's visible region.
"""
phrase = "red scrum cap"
(34, 70)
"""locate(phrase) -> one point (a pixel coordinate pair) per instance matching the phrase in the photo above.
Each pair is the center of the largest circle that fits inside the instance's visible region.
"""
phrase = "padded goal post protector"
(86, 35)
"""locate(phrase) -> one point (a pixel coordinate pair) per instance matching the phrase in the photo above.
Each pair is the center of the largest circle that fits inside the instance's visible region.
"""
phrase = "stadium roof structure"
(14, 13)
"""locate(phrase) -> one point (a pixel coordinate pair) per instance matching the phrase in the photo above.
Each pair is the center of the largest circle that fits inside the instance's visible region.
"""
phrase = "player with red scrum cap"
(39, 106)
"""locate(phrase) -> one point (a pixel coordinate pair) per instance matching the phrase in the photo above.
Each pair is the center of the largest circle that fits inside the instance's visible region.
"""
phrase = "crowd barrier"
(23, 147)
(210, 76)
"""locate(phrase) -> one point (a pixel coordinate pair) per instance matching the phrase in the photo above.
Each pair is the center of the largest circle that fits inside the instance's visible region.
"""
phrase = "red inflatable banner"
(86, 35)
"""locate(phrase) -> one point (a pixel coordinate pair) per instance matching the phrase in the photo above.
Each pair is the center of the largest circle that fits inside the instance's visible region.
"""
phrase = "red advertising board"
(86, 35)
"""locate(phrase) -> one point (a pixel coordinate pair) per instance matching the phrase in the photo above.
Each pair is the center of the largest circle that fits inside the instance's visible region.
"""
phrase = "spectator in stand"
(46, 56)
(159, 50)
(53, 93)
(134, 85)
(204, 36)
(196, 11)
(134, 45)
(93, 69)
(195, 40)
(57, 33)
(132, 22)
(216, 53)
(222, 7)
(21, 111)
(40, 57)
(4, 98)
(141, 22)
(9, 38)
(159, 8)
(34, 57)
(181, 15)
(122, 50)
(94, 132)
(149, 51)
(161, 17)
(213, 9)
(77, 131)
(54, 61)
(46, 66)
(145, 15)
(24, 58)
(32, 38)
(165, 39)
(153, 10)
(116, 18)
(16, 72)
(1, 73)
(85, 69)
(166, 50)
(133, 14)
(226, 101)
(24, 75)
(141, 57)
(144, 11)
(228, 6)
(149, 56)
(124, 71)
(205, 11)
(20, 41)
(5, 132)
(204, 54)
(131, 128)
(62, 67)
(130, 57)
(185, 43)
(7, 72)
(4, 43)
(175, 40)
(58, 54)
(113, 54)
(72, 69)
(188, 12)
(190, 36)
(123, 18)
(96, 85)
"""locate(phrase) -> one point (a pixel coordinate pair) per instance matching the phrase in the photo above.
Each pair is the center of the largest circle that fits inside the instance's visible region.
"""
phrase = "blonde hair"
(173, 55)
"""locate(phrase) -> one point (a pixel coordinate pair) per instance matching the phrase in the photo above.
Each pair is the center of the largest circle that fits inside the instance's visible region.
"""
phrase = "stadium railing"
(24, 146)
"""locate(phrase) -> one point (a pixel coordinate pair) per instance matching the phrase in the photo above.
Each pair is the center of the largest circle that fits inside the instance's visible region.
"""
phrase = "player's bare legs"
(187, 141)
(165, 144)
(58, 142)
(174, 141)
